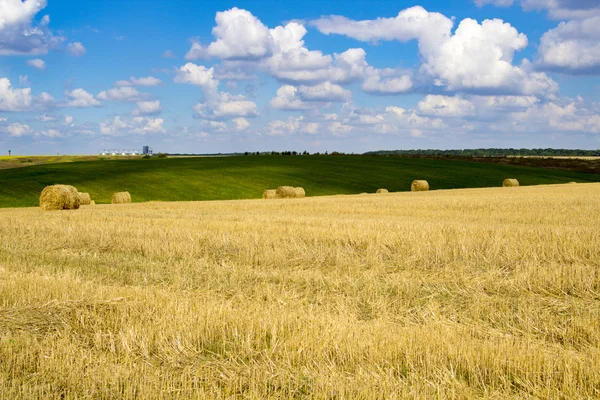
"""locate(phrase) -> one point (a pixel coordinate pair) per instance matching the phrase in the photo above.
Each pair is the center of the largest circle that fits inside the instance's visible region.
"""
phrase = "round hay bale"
(364, 193)
(299, 192)
(285, 192)
(84, 199)
(92, 203)
(269, 194)
(510, 183)
(59, 197)
(121, 198)
(382, 191)
(419, 186)
(572, 182)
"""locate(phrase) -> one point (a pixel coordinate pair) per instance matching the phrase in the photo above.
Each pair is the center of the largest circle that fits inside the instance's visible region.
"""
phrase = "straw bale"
(285, 192)
(382, 191)
(299, 192)
(510, 183)
(92, 203)
(84, 199)
(59, 197)
(419, 186)
(269, 194)
(121, 197)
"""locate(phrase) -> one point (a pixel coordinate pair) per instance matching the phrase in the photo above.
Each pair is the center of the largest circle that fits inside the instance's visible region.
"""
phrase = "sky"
(183, 76)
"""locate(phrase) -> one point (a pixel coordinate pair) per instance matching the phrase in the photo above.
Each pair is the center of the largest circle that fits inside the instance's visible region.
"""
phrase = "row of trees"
(492, 152)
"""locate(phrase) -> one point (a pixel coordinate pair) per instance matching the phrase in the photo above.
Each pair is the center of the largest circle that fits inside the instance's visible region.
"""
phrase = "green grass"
(212, 178)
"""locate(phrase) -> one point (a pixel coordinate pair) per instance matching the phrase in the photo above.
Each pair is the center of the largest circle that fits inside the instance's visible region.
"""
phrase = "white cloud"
(325, 91)
(286, 99)
(554, 117)
(143, 81)
(18, 36)
(79, 98)
(197, 75)
(476, 58)
(37, 63)
(137, 125)
(498, 3)
(14, 99)
(148, 108)
(123, 93)
(51, 133)
(76, 49)
(241, 124)
(226, 105)
(446, 106)
(45, 118)
(572, 47)
(24, 80)
(384, 82)
(17, 130)
(68, 120)
(239, 35)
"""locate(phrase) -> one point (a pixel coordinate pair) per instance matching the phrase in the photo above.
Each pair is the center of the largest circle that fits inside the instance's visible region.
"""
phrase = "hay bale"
(572, 182)
(84, 199)
(285, 192)
(92, 203)
(364, 193)
(382, 191)
(269, 194)
(419, 186)
(299, 192)
(59, 197)
(510, 183)
(121, 198)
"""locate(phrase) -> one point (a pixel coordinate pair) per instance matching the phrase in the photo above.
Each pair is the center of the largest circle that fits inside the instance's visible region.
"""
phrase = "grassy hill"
(212, 178)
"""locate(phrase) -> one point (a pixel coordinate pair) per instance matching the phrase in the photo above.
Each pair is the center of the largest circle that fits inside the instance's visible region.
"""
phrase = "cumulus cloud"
(69, 120)
(386, 81)
(241, 124)
(239, 35)
(572, 47)
(37, 63)
(148, 108)
(79, 98)
(14, 99)
(197, 75)
(45, 118)
(76, 49)
(118, 126)
(476, 58)
(18, 35)
(18, 130)
(123, 93)
(556, 117)
(225, 105)
(142, 81)
(445, 106)
(286, 99)
(325, 91)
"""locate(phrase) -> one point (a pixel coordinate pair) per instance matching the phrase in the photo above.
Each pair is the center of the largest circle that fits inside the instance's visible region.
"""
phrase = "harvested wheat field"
(469, 293)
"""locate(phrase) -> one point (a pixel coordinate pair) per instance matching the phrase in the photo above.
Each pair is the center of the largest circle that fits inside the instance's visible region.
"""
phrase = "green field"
(212, 178)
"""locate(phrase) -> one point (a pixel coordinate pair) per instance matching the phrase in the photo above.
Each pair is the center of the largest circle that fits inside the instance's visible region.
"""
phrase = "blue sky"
(228, 76)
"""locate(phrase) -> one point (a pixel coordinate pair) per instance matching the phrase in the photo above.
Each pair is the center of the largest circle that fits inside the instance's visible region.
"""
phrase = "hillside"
(224, 178)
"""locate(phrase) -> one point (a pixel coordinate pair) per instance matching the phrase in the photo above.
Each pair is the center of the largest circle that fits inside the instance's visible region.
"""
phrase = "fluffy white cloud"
(446, 106)
(476, 58)
(239, 35)
(17, 130)
(325, 91)
(286, 99)
(76, 49)
(241, 124)
(554, 117)
(14, 99)
(137, 125)
(24, 80)
(17, 33)
(386, 82)
(143, 81)
(79, 98)
(123, 93)
(37, 63)
(572, 47)
(198, 75)
(45, 118)
(68, 120)
(148, 108)
(226, 105)
(51, 133)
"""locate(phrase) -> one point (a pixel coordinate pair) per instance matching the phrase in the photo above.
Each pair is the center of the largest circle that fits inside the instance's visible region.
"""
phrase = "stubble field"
(491, 293)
